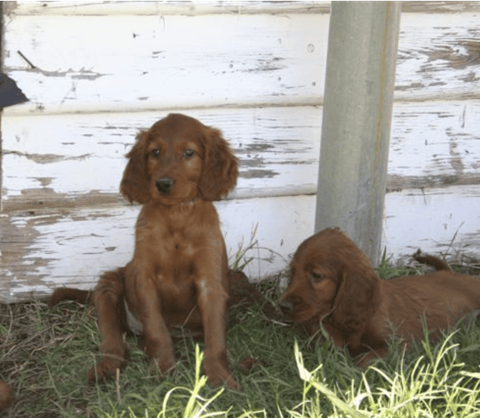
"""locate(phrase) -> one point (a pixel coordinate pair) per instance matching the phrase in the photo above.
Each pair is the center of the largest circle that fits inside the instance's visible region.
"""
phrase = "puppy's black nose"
(286, 306)
(164, 184)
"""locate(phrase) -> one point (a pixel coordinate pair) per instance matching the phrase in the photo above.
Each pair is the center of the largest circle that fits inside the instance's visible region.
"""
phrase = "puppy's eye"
(155, 152)
(189, 153)
(315, 277)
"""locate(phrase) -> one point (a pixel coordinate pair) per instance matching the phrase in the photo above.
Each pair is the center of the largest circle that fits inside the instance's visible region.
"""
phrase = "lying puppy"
(334, 284)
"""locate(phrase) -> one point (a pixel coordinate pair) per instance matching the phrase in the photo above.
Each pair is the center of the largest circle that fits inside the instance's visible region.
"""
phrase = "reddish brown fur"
(179, 274)
(334, 284)
(6, 396)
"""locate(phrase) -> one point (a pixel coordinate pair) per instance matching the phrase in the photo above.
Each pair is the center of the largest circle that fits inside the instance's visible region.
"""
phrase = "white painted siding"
(256, 70)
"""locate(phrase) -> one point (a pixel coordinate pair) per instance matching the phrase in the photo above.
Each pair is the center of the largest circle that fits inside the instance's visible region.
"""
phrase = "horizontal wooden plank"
(188, 7)
(165, 62)
(442, 221)
(153, 62)
(434, 144)
(164, 7)
(440, 6)
(78, 160)
(438, 57)
(72, 248)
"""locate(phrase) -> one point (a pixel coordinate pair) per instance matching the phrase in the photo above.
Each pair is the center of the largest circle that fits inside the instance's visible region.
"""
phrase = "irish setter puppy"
(334, 284)
(179, 275)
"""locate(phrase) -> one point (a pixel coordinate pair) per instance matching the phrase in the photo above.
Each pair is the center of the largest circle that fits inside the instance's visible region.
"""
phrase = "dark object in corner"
(10, 94)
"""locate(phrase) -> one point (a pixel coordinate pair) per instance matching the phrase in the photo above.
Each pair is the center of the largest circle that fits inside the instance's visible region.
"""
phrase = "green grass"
(45, 355)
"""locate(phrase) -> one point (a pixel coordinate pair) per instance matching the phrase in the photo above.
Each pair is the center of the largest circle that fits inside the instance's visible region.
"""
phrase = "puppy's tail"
(429, 260)
(66, 293)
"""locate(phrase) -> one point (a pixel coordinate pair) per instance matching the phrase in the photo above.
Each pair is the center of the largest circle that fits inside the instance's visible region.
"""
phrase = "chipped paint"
(46, 158)
(107, 8)
(31, 200)
(87, 170)
(63, 221)
(72, 247)
(79, 73)
(461, 54)
(258, 173)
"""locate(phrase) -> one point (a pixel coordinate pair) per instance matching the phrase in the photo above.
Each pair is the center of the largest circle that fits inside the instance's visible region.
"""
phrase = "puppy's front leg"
(213, 305)
(212, 300)
(157, 340)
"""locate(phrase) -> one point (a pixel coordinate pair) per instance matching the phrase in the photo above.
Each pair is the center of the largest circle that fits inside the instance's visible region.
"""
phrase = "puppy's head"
(179, 160)
(330, 276)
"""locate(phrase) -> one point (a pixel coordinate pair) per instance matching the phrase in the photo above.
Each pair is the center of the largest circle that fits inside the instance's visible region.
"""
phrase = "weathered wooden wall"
(101, 71)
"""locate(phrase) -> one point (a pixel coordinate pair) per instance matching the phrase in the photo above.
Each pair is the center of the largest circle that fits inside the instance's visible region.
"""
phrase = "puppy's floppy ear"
(220, 167)
(135, 181)
(357, 297)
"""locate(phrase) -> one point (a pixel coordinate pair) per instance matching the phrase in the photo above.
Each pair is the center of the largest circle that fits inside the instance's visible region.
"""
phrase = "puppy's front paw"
(218, 373)
(164, 364)
(105, 370)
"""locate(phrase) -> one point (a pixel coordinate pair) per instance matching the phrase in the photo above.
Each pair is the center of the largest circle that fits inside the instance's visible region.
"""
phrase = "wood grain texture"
(443, 221)
(434, 144)
(438, 57)
(54, 161)
(165, 7)
(73, 247)
(435, 7)
(188, 7)
(120, 63)
(167, 62)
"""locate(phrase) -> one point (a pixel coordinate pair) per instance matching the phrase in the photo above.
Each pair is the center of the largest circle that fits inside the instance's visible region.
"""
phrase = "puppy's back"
(441, 298)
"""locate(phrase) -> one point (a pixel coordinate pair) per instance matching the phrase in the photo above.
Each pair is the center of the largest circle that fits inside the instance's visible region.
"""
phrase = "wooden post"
(362, 50)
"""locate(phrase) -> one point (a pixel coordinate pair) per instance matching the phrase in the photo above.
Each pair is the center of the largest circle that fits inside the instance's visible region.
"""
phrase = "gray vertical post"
(362, 49)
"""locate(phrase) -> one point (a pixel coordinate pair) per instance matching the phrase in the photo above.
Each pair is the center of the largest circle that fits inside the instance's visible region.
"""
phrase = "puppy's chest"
(170, 248)
(172, 257)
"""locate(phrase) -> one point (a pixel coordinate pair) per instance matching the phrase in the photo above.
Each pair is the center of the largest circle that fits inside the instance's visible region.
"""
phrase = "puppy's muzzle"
(286, 306)
(164, 185)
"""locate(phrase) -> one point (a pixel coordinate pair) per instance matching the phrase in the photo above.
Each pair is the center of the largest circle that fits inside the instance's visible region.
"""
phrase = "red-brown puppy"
(334, 284)
(179, 273)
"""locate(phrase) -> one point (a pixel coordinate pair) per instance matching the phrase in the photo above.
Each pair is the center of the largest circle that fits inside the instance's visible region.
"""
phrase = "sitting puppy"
(179, 272)
(334, 284)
